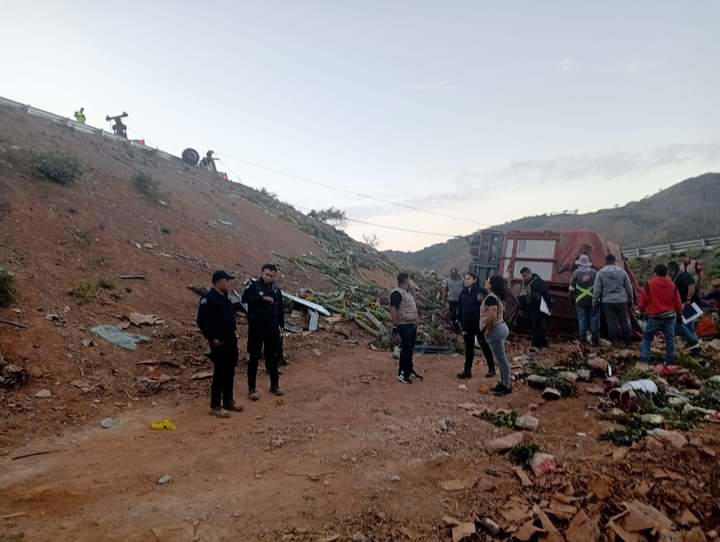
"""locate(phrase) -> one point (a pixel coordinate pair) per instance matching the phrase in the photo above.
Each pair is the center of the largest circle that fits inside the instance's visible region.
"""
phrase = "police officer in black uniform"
(266, 320)
(216, 320)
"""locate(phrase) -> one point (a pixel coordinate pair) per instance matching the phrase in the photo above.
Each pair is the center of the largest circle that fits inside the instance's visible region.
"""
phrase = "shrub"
(521, 454)
(105, 284)
(60, 168)
(7, 288)
(147, 186)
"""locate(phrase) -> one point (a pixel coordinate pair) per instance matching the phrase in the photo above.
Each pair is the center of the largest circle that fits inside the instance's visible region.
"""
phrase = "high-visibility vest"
(80, 117)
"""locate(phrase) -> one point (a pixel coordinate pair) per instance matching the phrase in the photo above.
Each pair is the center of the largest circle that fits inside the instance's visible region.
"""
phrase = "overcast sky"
(481, 111)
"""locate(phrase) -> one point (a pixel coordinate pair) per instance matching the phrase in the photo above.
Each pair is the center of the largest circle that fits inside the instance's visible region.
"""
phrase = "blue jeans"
(496, 339)
(588, 319)
(667, 327)
(686, 332)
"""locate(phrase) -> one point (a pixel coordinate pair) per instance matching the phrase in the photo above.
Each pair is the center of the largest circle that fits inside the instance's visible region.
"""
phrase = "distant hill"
(687, 210)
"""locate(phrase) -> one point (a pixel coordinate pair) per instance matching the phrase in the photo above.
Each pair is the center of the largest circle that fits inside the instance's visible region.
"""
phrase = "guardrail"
(680, 246)
(86, 128)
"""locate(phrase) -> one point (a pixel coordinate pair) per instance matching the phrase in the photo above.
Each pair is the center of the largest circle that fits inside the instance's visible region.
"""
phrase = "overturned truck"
(551, 255)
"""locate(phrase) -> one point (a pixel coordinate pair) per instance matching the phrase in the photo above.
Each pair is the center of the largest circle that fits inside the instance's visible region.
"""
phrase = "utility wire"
(352, 192)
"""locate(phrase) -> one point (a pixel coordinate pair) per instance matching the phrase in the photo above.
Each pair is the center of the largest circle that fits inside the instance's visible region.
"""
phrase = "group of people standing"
(479, 313)
(218, 324)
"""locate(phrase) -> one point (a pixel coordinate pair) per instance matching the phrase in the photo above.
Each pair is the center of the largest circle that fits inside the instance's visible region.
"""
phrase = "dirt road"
(347, 451)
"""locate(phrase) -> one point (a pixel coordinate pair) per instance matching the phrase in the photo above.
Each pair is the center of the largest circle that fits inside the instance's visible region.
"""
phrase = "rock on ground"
(674, 438)
(527, 423)
(503, 444)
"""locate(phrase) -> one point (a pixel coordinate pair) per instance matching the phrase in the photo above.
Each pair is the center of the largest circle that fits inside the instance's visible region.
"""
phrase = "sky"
(474, 112)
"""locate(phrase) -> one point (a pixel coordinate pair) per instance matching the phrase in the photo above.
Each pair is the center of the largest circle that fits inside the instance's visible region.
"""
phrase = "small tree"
(335, 217)
(371, 240)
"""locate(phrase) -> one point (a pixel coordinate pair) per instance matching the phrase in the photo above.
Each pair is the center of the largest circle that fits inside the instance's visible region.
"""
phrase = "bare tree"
(371, 240)
(332, 216)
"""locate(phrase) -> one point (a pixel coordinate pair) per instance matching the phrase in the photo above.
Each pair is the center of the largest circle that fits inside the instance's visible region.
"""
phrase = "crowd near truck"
(551, 255)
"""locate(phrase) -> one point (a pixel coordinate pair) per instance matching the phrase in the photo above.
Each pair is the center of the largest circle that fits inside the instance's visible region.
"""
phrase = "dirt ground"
(348, 451)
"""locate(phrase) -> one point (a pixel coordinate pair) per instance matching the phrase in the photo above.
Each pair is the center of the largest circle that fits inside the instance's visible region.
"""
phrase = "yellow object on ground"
(164, 424)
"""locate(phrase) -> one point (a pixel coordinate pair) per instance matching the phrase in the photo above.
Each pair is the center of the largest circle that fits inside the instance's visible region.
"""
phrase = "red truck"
(551, 255)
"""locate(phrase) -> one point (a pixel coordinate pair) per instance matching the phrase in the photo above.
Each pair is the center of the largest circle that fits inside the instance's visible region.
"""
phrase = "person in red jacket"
(660, 301)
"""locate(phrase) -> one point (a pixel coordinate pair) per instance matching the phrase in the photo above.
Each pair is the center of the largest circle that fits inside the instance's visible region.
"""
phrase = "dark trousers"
(537, 324)
(408, 334)
(265, 338)
(454, 312)
(469, 337)
(618, 322)
(224, 359)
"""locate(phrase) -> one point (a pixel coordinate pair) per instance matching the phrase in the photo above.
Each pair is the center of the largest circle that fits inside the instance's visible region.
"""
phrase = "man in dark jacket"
(532, 294)
(266, 321)
(686, 287)
(470, 300)
(216, 320)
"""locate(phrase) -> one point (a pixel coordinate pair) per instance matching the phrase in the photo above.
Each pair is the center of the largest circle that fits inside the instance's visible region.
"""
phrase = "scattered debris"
(43, 394)
(202, 375)
(164, 480)
(139, 320)
(133, 276)
(527, 423)
(11, 376)
(674, 438)
(118, 337)
(463, 531)
(522, 453)
(542, 463)
(107, 423)
(457, 485)
(551, 394)
(505, 443)
(163, 425)
(13, 324)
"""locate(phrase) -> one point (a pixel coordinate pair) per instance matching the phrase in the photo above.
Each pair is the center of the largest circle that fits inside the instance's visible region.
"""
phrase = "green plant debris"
(60, 168)
(521, 454)
(106, 284)
(147, 186)
(500, 418)
(698, 366)
(636, 373)
(709, 397)
(631, 430)
(7, 288)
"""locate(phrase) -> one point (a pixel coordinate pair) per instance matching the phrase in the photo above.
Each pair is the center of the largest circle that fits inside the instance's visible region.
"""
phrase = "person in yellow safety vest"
(80, 116)
(581, 295)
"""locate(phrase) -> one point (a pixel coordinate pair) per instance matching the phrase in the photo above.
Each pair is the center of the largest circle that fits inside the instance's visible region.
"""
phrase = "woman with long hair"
(470, 301)
(492, 324)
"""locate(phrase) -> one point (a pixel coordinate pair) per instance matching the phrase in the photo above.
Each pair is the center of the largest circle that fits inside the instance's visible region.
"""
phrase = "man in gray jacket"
(613, 292)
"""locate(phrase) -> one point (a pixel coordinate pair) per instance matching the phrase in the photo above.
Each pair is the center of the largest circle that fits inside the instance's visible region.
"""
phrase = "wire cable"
(352, 192)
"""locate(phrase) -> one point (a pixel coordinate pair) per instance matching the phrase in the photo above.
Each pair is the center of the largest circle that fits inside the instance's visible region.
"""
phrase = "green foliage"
(500, 418)
(632, 429)
(7, 288)
(709, 397)
(331, 215)
(699, 367)
(60, 168)
(635, 373)
(521, 454)
(147, 186)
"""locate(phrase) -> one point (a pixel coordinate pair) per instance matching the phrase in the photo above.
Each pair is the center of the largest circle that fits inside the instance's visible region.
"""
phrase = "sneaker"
(498, 387)
(415, 374)
(404, 379)
(219, 413)
(254, 396)
(278, 392)
(464, 375)
(233, 407)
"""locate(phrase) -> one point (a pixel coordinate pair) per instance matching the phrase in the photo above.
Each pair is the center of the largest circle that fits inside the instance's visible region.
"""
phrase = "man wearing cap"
(266, 321)
(216, 320)
(581, 295)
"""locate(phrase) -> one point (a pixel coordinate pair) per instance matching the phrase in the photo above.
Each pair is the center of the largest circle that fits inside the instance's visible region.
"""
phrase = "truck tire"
(190, 156)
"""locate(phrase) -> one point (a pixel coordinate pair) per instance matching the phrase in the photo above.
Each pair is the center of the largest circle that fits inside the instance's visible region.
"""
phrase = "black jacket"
(216, 317)
(260, 312)
(470, 301)
(537, 290)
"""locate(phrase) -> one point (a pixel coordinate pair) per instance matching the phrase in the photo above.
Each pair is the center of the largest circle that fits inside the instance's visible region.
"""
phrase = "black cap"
(219, 275)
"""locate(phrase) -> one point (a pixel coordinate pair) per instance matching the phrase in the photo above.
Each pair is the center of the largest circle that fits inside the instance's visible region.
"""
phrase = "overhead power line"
(354, 193)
